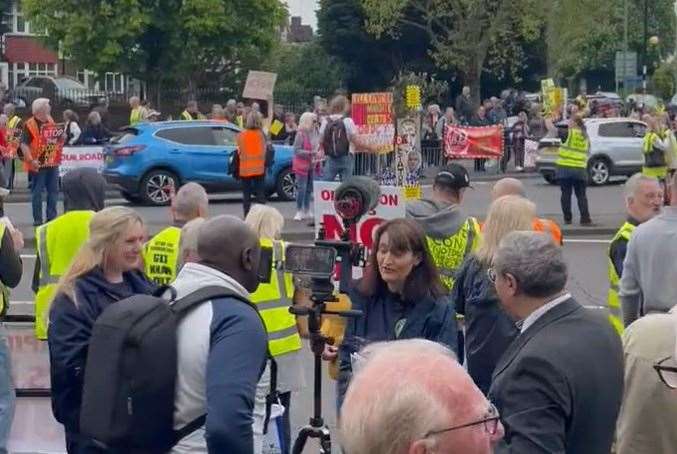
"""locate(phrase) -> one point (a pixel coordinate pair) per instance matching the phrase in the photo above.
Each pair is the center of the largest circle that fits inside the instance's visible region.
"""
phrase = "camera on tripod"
(352, 200)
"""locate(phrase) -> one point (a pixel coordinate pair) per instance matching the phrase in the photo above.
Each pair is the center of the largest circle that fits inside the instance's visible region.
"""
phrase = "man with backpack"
(340, 141)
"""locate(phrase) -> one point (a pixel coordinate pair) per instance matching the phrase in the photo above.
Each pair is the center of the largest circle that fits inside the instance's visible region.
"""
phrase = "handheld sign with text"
(259, 85)
(51, 141)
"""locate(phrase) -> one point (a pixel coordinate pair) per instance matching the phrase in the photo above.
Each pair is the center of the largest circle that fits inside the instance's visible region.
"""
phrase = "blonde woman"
(306, 144)
(268, 222)
(106, 270)
(488, 330)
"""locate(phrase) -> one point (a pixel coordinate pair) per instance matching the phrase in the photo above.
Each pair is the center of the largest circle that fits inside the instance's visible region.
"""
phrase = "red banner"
(52, 137)
(467, 142)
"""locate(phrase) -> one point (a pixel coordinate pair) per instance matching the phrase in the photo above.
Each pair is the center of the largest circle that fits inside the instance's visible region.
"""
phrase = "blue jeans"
(304, 191)
(343, 167)
(45, 180)
(7, 395)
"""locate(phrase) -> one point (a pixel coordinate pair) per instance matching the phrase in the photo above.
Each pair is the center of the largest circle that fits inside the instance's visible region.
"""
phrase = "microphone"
(355, 197)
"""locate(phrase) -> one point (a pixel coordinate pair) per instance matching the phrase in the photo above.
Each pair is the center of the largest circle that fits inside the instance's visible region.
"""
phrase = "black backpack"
(130, 378)
(335, 140)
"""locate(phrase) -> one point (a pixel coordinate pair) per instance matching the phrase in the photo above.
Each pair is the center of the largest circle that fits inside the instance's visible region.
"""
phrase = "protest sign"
(50, 148)
(372, 114)
(391, 205)
(13, 137)
(530, 153)
(259, 85)
(465, 142)
(408, 160)
(79, 157)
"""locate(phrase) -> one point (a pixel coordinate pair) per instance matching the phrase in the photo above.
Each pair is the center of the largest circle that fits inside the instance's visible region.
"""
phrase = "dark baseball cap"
(453, 176)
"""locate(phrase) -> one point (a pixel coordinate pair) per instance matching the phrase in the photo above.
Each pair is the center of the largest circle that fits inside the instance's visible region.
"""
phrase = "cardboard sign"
(79, 157)
(259, 85)
(391, 206)
(372, 114)
(50, 148)
(13, 138)
(466, 142)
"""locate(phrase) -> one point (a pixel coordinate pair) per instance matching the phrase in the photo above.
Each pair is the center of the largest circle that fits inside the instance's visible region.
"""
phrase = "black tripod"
(316, 428)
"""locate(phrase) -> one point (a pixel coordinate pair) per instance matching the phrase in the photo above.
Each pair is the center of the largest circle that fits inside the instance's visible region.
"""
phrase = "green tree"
(461, 32)
(159, 41)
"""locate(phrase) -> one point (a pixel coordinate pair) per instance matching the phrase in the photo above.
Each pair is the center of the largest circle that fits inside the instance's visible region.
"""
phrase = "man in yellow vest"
(643, 201)
(191, 112)
(161, 253)
(451, 234)
(137, 113)
(572, 173)
(13, 139)
(58, 241)
(655, 150)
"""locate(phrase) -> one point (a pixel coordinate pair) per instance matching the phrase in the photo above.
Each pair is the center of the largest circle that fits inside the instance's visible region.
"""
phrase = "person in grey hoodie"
(451, 235)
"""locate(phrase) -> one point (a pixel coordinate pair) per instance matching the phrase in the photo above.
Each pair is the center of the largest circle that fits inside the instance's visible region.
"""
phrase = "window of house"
(114, 82)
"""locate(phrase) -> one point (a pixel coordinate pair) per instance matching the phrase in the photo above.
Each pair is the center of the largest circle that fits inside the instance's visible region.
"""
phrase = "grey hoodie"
(83, 189)
(438, 219)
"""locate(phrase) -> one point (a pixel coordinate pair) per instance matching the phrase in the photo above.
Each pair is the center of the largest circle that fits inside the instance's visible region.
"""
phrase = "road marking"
(593, 241)
(29, 256)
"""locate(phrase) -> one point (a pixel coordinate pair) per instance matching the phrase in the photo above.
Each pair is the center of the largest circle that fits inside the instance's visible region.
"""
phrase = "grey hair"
(231, 103)
(534, 260)
(94, 118)
(39, 104)
(189, 233)
(398, 412)
(3, 119)
(134, 99)
(266, 221)
(9, 109)
(189, 199)
(633, 184)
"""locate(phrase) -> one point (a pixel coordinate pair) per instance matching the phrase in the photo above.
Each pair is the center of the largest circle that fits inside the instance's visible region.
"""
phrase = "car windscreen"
(69, 84)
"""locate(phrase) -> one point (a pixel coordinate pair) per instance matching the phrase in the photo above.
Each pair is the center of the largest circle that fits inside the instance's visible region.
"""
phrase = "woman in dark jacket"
(106, 270)
(488, 329)
(400, 296)
(95, 132)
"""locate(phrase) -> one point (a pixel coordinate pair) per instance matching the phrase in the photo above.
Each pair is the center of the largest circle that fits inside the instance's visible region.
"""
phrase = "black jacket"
(559, 386)
(488, 329)
(387, 317)
(70, 328)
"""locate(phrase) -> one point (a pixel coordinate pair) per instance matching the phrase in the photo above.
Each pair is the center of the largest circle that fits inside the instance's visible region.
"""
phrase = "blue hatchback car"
(149, 158)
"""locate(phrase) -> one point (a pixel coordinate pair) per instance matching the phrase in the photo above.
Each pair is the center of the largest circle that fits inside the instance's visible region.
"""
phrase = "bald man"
(395, 405)
(222, 344)
(513, 186)
(161, 255)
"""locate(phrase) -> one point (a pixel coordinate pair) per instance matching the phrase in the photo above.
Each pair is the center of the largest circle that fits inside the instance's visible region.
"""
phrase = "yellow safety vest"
(185, 115)
(57, 243)
(273, 300)
(655, 164)
(14, 121)
(135, 116)
(161, 256)
(449, 253)
(574, 151)
(613, 301)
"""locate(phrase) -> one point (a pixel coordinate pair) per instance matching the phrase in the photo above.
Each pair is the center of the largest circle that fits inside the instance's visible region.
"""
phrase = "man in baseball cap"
(451, 234)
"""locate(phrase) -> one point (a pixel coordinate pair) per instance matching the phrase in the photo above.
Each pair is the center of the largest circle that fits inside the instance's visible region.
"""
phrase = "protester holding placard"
(42, 146)
(306, 145)
(13, 136)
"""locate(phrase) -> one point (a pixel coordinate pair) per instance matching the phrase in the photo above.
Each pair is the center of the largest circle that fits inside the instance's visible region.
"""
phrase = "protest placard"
(259, 85)
(79, 157)
(372, 114)
(466, 142)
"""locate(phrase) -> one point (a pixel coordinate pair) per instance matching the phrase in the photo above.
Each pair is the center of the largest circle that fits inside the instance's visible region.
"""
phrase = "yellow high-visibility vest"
(613, 300)
(449, 253)
(135, 116)
(57, 242)
(573, 152)
(161, 256)
(13, 122)
(655, 163)
(273, 300)
(185, 115)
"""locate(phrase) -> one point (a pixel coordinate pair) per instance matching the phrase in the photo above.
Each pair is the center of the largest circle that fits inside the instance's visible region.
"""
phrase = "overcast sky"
(305, 9)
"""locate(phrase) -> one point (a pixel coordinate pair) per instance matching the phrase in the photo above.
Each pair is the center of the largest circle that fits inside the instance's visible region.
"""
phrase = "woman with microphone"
(400, 296)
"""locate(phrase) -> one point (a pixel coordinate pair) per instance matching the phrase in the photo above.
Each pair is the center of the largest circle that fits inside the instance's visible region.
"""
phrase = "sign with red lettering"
(467, 142)
(13, 137)
(372, 114)
(52, 137)
(391, 206)
(79, 157)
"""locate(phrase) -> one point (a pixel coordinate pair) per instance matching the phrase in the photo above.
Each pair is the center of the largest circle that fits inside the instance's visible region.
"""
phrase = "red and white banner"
(373, 117)
(81, 156)
(468, 142)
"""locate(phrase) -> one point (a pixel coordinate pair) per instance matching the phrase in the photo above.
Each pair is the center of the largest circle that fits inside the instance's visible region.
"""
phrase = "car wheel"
(550, 178)
(131, 198)
(599, 171)
(157, 186)
(285, 185)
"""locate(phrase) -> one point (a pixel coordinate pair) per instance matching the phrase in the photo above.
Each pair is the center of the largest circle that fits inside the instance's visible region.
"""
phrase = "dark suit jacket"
(559, 385)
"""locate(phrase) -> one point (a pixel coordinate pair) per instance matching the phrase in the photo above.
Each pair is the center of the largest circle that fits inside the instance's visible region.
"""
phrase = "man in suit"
(559, 385)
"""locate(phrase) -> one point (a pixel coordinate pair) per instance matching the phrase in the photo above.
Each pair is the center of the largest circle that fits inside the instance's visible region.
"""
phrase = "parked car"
(650, 101)
(146, 160)
(60, 90)
(615, 149)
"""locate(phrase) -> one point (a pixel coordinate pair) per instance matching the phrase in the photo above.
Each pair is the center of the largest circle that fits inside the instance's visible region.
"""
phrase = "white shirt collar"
(538, 313)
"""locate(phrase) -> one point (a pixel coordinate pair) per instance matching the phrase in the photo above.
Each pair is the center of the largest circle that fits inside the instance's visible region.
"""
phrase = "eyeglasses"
(667, 374)
(490, 422)
(491, 274)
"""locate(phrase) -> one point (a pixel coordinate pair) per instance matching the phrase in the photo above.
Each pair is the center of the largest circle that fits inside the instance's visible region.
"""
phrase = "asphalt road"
(587, 281)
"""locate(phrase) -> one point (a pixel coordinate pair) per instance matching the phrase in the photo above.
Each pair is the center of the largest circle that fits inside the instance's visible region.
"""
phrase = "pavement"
(606, 206)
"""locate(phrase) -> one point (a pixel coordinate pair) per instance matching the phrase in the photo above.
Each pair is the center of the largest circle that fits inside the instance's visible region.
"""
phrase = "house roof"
(27, 49)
